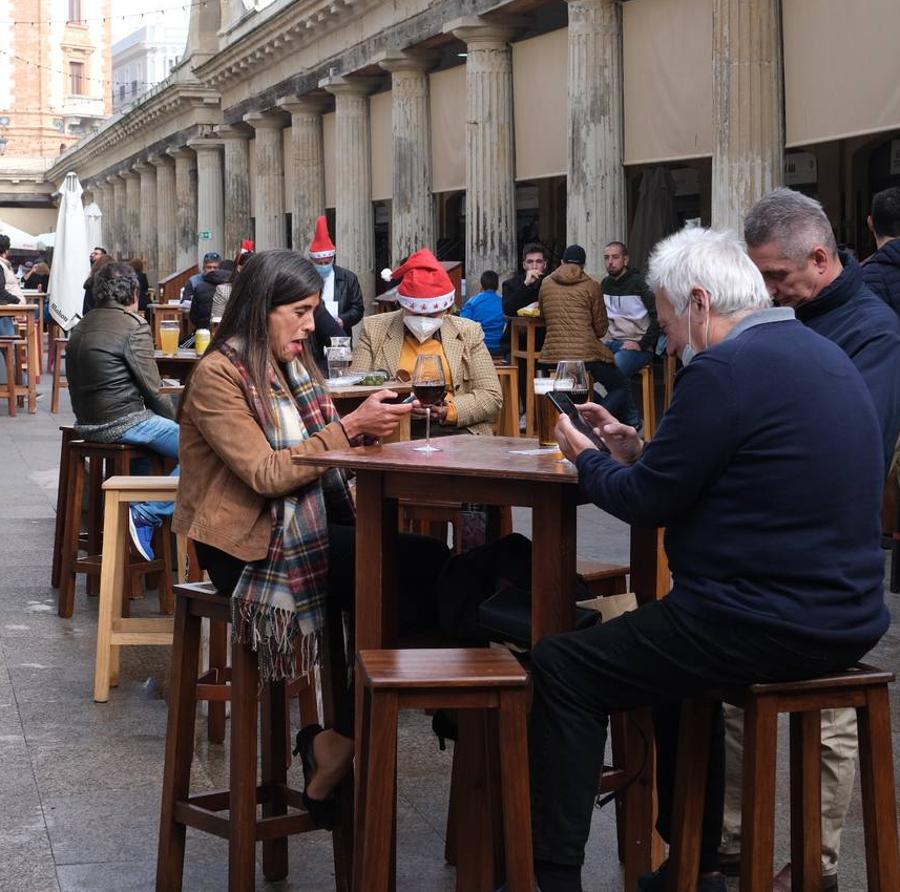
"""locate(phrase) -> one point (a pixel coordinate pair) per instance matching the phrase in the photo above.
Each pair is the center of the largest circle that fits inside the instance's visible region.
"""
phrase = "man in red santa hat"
(341, 294)
(394, 341)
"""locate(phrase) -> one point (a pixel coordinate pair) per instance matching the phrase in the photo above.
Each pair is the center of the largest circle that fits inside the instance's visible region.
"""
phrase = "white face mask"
(423, 327)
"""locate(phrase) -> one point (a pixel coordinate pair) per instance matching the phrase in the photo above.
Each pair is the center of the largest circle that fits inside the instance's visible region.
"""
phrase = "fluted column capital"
(233, 131)
(308, 104)
(418, 61)
(270, 119)
(479, 33)
(205, 144)
(349, 86)
(143, 168)
(159, 159)
(128, 173)
(180, 152)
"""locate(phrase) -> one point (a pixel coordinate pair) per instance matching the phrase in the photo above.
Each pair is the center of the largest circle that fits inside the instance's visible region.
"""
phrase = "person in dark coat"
(341, 294)
(138, 266)
(881, 272)
(523, 288)
(203, 293)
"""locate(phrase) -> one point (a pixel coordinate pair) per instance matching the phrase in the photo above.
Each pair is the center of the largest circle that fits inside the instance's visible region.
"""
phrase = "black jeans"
(654, 656)
(619, 399)
(420, 560)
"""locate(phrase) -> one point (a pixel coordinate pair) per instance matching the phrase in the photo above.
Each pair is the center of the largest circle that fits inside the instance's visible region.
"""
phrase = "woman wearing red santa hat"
(421, 326)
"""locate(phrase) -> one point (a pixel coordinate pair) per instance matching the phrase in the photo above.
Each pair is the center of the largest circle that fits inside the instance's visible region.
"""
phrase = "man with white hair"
(748, 473)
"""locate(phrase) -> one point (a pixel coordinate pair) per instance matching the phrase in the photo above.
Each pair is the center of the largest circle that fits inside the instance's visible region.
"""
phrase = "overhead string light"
(83, 20)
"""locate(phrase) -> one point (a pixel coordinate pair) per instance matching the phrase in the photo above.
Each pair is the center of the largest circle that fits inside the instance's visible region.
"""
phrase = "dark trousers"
(419, 561)
(619, 399)
(654, 656)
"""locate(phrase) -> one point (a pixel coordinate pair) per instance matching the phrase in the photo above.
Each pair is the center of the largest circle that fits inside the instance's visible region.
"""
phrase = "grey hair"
(116, 283)
(794, 221)
(711, 260)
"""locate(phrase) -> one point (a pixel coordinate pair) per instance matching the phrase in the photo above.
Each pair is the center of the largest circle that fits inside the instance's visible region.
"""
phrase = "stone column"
(354, 221)
(117, 246)
(165, 215)
(596, 178)
(185, 207)
(748, 107)
(269, 197)
(412, 212)
(307, 199)
(236, 139)
(104, 199)
(490, 148)
(147, 249)
(132, 212)
(210, 200)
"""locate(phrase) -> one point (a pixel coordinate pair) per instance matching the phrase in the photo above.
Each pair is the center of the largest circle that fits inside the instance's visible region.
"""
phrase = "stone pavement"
(79, 781)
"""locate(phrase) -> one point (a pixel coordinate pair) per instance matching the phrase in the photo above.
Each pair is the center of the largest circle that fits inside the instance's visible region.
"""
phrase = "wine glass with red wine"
(430, 387)
(571, 376)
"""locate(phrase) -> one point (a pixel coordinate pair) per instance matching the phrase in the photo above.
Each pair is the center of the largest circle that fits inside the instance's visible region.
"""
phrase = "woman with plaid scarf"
(274, 536)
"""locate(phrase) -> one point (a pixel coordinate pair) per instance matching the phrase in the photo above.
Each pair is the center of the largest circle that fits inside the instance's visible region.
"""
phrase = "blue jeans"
(629, 363)
(161, 435)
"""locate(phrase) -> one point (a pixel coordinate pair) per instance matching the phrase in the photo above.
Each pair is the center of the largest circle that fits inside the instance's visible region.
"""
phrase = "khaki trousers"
(839, 750)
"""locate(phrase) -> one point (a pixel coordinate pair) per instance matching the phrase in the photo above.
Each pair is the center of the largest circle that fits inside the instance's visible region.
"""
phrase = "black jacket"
(203, 292)
(111, 369)
(349, 297)
(881, 272)
(516, 294)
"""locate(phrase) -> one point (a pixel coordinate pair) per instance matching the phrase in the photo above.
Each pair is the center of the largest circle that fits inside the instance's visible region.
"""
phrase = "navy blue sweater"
(766, 472)
(847, 313)
(882, 273)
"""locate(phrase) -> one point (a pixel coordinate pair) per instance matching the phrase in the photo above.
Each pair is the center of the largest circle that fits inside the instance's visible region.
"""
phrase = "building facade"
(143, 59)
(472, 127)
(55, 73)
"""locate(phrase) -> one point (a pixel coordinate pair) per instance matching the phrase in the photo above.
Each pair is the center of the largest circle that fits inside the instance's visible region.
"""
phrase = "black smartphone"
(564, 403)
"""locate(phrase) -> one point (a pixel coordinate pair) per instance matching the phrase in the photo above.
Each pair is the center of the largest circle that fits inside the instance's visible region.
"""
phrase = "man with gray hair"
(114, 385)
(751, 446)
(790, 239)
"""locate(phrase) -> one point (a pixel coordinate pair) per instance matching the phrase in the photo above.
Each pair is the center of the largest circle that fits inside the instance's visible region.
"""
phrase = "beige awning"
(841, 68)
(448, 129)
(540, 74)
(667, 72)
(380, 130)
(328, 157)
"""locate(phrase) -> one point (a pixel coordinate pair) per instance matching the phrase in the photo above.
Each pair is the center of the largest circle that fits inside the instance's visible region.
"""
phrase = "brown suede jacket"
(229, 471)
(575, 315)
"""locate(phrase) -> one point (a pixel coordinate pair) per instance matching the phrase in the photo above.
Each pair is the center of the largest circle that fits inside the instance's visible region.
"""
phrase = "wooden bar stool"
(114, 629)
(487, 679)
(242, 828)
(92, 462)
(507, 423)
(861, 687)
(68, 434)
(59, 380)
(604, 579)
(10, 390)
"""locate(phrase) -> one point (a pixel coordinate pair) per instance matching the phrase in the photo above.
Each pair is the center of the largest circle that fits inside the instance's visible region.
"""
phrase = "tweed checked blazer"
(476, 387)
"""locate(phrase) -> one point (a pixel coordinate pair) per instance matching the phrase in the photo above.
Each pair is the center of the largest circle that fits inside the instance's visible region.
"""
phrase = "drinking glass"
(430, 386)
(339, 360)
(571, 376)
(169, 335)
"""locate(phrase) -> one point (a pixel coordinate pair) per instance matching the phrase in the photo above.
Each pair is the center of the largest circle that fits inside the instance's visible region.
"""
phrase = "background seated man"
(486, 308)
(749, 473)
(394, 341)
(114, 384)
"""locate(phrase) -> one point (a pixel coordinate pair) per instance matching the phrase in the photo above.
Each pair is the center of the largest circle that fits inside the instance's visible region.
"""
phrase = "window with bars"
(75, 11)
(76, 78)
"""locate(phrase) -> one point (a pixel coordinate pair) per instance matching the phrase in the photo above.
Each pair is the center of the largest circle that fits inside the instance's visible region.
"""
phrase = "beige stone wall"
(34, 221)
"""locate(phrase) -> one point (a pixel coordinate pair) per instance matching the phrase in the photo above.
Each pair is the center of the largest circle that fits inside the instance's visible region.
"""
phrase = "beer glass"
(169, 335)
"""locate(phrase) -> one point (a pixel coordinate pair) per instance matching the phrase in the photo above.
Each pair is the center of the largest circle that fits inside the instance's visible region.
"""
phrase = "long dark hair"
(268, 280)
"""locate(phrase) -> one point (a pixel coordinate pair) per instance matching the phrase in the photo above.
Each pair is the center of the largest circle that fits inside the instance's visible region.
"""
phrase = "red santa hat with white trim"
(425, 286)
(322, 246)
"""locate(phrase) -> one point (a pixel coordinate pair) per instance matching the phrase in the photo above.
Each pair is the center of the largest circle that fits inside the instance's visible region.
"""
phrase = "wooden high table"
(31, 348)
(523, 346)
(176, 365)
(167, 313)
(486, 470)
(346, 399)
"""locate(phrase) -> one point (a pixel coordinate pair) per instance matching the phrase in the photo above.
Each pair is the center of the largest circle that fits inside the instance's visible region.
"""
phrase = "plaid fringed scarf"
(278, 603)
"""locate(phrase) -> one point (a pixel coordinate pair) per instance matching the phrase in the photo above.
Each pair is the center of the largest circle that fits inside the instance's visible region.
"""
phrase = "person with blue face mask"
(393, 341)
(341, 294)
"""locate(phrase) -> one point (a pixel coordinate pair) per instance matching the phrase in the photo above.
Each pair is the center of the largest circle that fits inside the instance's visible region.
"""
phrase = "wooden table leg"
(112, 578)
(553, 562)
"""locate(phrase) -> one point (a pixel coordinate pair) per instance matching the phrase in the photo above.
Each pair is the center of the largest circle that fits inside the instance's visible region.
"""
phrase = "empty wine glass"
(571, 376)
(430, 386)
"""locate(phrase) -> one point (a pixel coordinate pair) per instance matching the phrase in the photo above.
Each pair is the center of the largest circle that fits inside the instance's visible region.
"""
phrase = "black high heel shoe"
(322, 811)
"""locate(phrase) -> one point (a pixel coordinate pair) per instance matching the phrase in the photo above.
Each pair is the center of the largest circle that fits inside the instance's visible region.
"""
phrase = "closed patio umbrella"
(71, 263)
(93, 215)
